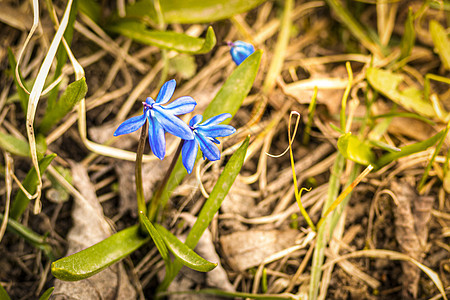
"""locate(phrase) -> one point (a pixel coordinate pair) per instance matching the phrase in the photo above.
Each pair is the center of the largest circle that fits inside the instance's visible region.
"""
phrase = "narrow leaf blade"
(71, 96)
(30, 183)
(185, 254)
(165, 39)
(156, 237)
(46, 295)
(14, 145)
(220, 190)
(410, 149)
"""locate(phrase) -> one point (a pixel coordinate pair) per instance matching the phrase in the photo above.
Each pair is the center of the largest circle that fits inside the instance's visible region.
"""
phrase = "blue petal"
(240, 51)
(189, 154)
(195, 120)
(130, 125)
(166, 92)
(208, 148)
(172, 124)
(181, 106)
(216, 120)
(216, 130)
(149, 101)
(156, 137)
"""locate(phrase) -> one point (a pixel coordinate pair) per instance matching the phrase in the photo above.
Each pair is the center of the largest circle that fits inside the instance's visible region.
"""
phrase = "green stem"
(138, 170)
(31, 237)
(154, 203)
(311, 111)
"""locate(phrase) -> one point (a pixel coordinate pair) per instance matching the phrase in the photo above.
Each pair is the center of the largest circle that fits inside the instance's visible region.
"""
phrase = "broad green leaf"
(14, 145)
(410, 149)
(165, 39)
(212, 204)
(354, 149)
(185, 254)
(71, 96)
(31, 237)
(441, 42)
(191, 11)
(96, 258)
(23, 96)
(3, 294)
(156, 237)
(411, 98)
(46, 295)
(408, 38)
(30, 183)
(228, 100)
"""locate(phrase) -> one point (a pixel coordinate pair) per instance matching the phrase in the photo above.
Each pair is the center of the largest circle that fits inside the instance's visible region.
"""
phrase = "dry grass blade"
(35, 96)
(392, 255)
(8, 183)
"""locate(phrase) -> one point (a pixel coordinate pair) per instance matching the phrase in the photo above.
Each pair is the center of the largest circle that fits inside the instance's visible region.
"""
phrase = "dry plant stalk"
(412, 213)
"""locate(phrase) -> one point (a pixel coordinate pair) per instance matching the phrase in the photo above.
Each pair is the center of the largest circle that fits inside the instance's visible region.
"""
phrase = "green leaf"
(23, 96)
(31, 237)
(30, 183)
(96, 258)
(191, 11)
(441, 42)
(230, 97)
(156, 237)
(185, 254)
(46, 295)
(354, 149)
(184, 65)
(91, 9)
(410, 149)
(3, 294)
(71, 96)
(212, 204)
(165, 39)
(353, 25)
(408, 38)
(411, 98)
(14, 145)
(228, 100)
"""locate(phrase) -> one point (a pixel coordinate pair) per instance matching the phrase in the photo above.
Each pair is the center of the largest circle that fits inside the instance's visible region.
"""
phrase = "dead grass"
(256, 218)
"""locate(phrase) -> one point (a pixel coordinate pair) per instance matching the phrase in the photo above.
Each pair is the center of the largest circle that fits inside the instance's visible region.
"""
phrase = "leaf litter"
(416, 225)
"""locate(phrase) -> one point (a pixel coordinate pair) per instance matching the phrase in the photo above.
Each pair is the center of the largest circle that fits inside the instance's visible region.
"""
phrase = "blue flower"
(161, 119)
(240, 51)
(205, 135)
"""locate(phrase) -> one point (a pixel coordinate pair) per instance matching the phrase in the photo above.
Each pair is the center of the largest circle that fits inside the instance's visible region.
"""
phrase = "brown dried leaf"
(246, 249)
(412, 213)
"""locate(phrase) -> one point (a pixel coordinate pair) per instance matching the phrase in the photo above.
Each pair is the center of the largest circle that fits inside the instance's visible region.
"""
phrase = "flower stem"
(138, 170)
(154, 203)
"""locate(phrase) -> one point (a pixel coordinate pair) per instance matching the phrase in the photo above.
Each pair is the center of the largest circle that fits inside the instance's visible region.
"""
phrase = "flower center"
(146, 105)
